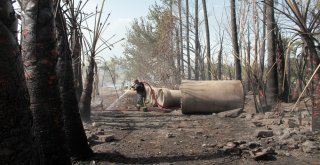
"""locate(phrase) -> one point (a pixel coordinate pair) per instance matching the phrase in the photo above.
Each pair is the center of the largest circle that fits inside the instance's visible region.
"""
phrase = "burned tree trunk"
(235, 44)
(197, 44)
(15, 117)
(187, 40)
(75, 135)
(76, 61)
(40, 57)
(85, 100)
(208, 55)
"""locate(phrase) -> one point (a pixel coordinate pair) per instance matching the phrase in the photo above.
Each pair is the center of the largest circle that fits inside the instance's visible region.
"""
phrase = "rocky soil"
(122, 135)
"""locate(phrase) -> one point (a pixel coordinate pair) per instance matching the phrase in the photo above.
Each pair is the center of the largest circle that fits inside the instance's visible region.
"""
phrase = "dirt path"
(172, 138)
(127, 136)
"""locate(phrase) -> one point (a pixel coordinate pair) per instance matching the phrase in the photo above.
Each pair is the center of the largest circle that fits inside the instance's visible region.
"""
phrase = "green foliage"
(148, 50)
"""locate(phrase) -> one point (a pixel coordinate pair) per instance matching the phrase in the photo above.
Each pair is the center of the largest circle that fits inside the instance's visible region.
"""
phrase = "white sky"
(123, 13)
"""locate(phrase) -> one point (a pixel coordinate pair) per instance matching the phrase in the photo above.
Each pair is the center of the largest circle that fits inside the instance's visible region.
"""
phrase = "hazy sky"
(122, 14)
(124, 11)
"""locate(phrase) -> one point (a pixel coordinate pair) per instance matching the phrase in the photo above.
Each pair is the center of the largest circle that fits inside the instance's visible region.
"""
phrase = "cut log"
(211, 96)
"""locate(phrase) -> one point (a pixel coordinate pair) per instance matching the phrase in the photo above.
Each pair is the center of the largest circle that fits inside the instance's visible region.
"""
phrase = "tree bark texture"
(283, 85)
(76, 61)
(39, 58)
(196, 39)
(75, 134)
(15, 116)
(315, 83)
(235, 44)
(187, 41)
(178, 72)
(208, 55)
(263, 42)
(181, 39)
(272, 77)
(85, 100)
(219, 65)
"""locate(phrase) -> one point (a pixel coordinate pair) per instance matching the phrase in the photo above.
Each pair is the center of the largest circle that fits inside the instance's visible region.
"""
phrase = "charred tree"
(187, 40)
(208, 55)
(85, 99)
(15, 116)
(75, 134)
(235, 44)
(39, 58)
(196, 40)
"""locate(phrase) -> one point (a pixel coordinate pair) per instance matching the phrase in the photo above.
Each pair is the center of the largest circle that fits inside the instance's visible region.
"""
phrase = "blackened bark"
(219, 66)
(85, 100)
(208, 55)
(40, 57)
(283, 84)
(76, 61)
(75, 135)
(235, 44)
(178, 72)
(197, 45)
(187, 42)
(315, 83)
(15, 116)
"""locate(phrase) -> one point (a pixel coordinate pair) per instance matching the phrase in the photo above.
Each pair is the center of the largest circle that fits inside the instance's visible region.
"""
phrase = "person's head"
(136, 81)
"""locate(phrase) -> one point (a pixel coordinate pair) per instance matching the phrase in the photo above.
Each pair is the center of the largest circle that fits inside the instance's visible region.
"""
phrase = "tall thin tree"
(86, 96)
(219, 65)
(180, 38)
(187, 39)
(272, 75)
(196, 40)
(75, 19)
(235, 45)
(263, 41)
(208, 55)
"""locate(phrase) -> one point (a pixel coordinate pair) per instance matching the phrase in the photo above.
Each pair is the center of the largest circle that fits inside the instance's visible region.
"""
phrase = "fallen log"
(198, 97)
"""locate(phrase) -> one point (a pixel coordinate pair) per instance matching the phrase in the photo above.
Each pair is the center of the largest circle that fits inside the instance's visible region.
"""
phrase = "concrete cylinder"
(148, 91)
(152, 96)
(169, 98)
(211, 96)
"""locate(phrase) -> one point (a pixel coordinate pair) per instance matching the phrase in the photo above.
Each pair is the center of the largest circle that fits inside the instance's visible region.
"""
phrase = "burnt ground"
(124, 135)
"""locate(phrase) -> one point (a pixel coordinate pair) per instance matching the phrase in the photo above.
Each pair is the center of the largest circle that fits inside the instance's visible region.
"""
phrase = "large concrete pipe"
(169, 98)
(211, 96)
(152, 96)
(148, 91)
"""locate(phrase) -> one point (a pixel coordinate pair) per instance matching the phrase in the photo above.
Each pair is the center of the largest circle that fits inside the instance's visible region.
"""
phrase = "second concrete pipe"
(211, 96)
